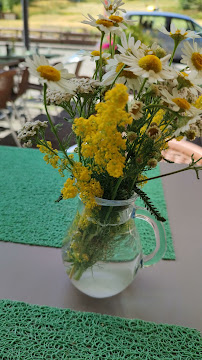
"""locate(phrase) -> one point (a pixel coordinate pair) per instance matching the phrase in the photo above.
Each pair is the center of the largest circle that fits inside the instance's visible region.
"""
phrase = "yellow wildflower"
(198, 103)
(118, 95)
(142, 177)
(80, 172)
(159, 116)
(50, 157)
(69, 190)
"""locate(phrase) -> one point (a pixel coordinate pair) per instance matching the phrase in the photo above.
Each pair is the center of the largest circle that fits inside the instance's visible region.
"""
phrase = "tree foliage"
(191, 4)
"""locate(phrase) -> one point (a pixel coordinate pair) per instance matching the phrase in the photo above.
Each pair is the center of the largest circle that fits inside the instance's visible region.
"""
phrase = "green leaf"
(149, 204)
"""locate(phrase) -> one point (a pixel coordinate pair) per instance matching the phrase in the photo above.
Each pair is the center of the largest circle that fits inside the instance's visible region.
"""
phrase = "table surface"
(168, 292)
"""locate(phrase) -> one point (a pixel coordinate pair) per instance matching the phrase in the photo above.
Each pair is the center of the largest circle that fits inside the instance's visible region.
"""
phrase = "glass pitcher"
(102, 249)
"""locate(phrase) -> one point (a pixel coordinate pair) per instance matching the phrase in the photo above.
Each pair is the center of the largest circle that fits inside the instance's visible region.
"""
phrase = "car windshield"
(182, 24)
(198, 28)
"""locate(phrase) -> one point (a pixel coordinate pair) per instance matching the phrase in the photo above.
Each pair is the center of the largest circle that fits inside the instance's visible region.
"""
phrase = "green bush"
(138, 34)
(191, 4)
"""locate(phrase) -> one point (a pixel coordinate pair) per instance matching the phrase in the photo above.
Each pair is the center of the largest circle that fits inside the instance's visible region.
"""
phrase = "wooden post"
(25, 24)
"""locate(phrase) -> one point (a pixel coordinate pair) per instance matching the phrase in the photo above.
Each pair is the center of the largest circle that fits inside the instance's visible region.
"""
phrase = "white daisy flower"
(126, 77)
(54, 76)
(128, 46)
(154, 49)
(184, 124)
(103, 24)
(135, 109)
(188, 81)
(112, 6)
(178, 103)
(95, 56)
(179, 34)
(192, 57)
(148, 66)
(120, 21)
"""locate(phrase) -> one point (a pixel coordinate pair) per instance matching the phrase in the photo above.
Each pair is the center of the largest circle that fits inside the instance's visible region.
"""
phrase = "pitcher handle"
(159, 231)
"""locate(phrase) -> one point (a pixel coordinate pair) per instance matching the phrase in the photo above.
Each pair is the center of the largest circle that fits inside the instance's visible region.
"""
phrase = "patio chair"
(6, 91)
(22, 85)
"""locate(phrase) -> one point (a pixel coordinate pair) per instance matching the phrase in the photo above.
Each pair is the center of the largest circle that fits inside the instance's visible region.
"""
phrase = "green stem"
(171, 173)
(110, 43)
(96, 69)
(142, 87)
(116, 187)
(173, 53)
(117, 76)
(161, 107)
(113, 197)
(69, 110)
(165, 127)
(53, 128)
(79, 147)
(113, 45)
(100, 65)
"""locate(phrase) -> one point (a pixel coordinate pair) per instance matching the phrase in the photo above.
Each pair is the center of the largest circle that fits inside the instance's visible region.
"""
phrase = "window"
(136, 19)
(198, 28)
(153, 22)
(182, 24)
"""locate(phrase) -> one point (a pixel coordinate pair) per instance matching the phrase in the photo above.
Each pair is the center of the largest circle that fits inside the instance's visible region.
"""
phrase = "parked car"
(152, 22)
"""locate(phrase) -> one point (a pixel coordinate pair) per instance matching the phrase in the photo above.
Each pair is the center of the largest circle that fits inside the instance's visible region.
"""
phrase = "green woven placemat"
(29, 214)
(35, 332)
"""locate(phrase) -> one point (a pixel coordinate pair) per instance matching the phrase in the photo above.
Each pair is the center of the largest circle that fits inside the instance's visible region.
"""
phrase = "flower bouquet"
(122, 118)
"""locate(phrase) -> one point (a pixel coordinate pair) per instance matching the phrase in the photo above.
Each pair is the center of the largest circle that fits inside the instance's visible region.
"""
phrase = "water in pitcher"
(107, 279)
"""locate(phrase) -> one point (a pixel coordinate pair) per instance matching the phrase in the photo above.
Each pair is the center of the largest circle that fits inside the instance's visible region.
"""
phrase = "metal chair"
(6, 91)
(22, 85)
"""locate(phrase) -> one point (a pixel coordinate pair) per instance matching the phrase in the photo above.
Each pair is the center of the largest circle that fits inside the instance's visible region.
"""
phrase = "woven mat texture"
(41, 332)
(29, 214)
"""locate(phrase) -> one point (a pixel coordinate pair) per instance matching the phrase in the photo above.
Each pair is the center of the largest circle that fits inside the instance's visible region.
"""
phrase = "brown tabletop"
(169, 292)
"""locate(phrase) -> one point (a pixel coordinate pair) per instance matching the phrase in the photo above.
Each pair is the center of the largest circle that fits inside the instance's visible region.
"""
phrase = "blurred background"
(54, 28)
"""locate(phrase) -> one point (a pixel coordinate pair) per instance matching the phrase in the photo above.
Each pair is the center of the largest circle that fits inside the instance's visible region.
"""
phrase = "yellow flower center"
(178, 32)
(95, 53)
(116, 18)
(104, 22)
(184, 73)
(183, 81)
(177, 36)
(197, 60)
(109, 7)
(126, 73)
(119, 67)
(182, 103)
(150, 62)
(49, 72)
(198, 103)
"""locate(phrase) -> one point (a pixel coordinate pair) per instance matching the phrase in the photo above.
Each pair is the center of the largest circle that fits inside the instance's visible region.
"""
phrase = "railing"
(49, 36)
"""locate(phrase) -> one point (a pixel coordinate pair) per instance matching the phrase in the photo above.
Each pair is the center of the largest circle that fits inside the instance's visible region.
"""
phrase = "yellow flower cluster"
(198, 103)
(159, 116)
(52, 158)
(83, 184)
(69, 190)
(140, 178)
(101, 134)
